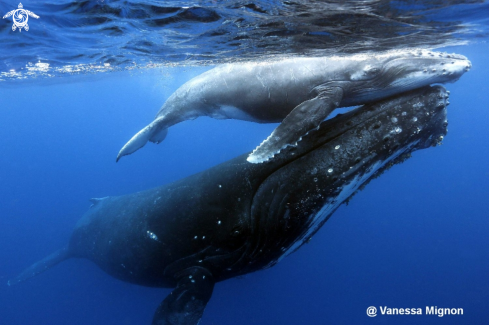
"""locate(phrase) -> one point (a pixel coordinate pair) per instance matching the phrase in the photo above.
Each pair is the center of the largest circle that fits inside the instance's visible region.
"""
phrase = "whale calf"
(298, 92)
(237, 217)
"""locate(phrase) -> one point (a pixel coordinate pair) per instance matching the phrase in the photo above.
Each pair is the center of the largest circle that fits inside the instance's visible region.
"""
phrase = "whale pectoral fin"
(185, 305)
(303, 118)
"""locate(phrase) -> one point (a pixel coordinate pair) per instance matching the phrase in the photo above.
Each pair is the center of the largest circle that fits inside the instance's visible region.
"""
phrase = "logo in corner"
(20, 17)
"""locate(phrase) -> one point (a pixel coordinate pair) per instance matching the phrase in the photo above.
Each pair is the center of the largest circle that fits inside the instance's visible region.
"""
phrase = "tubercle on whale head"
(430, 96)
(411, 69)
(418, 117)
(332, 163)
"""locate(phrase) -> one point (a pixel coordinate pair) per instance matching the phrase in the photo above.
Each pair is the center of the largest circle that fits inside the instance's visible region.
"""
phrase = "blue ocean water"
(415, 237)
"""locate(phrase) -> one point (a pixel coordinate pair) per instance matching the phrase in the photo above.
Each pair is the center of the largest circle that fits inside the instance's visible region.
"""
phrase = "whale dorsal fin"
(96, 201)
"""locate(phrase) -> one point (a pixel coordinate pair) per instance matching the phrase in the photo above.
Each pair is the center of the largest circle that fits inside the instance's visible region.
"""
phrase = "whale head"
(395, 72)
(330, 164)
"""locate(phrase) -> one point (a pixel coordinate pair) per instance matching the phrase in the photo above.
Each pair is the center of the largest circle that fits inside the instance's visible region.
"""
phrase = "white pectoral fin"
(303, 118)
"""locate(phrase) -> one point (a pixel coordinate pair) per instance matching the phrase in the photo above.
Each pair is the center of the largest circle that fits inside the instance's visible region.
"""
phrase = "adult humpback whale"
(299, 92)
(246, 217)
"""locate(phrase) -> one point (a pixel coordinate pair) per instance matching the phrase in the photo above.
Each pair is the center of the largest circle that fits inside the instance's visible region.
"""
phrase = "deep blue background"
(416, 236)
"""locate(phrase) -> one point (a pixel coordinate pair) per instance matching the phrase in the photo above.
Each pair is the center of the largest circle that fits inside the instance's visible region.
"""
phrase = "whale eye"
(368, 72)
(371, 71)
(236, 231)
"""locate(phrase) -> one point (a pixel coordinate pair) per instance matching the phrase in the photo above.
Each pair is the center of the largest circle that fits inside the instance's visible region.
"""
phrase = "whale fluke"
(41, 266)
(159, 136)
(137, 141)
(154, 132)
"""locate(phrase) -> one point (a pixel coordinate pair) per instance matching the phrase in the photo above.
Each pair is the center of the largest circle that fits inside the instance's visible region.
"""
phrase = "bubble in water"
(315, 179)
(397, 130)
(394, 120)
(337, 147)
(152, 235)
(404, 114)
(415, 119)
(330, 170)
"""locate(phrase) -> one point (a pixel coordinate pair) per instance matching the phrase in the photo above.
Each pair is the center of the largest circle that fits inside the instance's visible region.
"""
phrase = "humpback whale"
(237, 217)
(298, 92)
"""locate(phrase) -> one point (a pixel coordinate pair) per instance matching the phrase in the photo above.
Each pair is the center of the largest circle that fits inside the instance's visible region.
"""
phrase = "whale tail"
(42, 265)
(154, 132)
